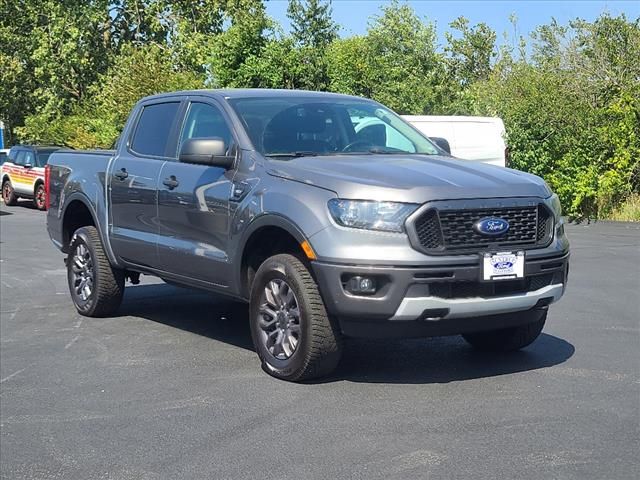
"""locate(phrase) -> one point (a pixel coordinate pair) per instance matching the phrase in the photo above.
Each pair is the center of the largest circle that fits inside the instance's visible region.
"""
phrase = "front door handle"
(239, 191)
(121, 174)
(171, 182)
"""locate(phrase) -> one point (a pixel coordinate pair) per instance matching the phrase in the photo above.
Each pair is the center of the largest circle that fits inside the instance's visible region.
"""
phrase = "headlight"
(554, 202)
(370, 215)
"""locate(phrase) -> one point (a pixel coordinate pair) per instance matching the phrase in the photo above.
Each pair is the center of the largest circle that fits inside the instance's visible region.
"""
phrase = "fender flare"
(263, 220)
(81, 197)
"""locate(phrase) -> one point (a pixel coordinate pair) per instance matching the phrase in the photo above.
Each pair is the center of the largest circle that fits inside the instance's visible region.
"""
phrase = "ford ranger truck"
(274, 198)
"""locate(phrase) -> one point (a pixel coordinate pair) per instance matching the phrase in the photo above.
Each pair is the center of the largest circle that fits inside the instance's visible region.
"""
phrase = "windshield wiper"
(292, 154)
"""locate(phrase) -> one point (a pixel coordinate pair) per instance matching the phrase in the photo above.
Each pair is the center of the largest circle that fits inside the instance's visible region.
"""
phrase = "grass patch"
(629, 211)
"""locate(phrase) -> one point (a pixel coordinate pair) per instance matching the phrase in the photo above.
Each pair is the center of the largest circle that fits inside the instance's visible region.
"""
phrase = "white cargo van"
(480, 139)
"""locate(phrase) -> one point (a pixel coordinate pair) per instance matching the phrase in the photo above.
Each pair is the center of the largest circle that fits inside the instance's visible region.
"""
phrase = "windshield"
(304, 126)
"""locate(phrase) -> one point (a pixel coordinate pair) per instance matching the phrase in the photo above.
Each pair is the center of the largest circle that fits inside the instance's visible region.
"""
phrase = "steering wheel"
(348, 148)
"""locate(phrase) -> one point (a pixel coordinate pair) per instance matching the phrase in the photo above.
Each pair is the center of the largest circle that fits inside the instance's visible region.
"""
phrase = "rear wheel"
(39, 197)
(96, 287)
(9, 194)
(507, 339)
(293, 335)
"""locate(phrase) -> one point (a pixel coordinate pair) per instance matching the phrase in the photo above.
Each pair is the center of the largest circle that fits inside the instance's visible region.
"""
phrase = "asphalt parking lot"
(172, 389)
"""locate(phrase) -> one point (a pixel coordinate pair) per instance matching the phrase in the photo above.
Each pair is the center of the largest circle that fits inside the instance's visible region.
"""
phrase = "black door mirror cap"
(442, 143)
(206, 151)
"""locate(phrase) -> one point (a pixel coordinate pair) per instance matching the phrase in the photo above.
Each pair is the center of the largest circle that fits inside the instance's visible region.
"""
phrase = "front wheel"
(293, 335)
(9, 194)
(96, 287)
(507, 339)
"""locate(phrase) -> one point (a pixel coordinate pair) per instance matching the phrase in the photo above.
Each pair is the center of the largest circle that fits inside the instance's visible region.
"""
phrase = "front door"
(23, 176)
(193, 204)
(134, 183)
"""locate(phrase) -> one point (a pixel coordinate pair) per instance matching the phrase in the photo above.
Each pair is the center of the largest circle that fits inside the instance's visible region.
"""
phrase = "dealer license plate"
(502, 265)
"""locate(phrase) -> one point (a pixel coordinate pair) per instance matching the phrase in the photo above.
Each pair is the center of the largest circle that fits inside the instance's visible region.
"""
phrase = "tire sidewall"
(11, 198)
(290, 368)
(80, 237)
(39, 206)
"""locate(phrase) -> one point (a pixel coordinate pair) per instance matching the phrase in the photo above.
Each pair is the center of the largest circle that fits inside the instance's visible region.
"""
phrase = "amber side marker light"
(306, 247)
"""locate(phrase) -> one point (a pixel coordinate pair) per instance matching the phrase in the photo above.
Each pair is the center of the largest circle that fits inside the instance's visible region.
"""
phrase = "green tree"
(53, 51)
(395, 62)
(311, 23)
(245, 38)
(470, 52)
(97, 121)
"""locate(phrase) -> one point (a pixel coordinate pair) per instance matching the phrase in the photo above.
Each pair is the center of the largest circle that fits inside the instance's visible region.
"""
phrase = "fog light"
(361, 285)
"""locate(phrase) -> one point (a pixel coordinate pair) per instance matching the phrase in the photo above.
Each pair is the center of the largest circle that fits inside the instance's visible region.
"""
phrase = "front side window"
(205, 121)
(299, 126)
(154, 127)
(19, 157)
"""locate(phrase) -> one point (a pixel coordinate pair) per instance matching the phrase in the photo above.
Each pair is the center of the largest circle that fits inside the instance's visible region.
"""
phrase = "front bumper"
(414, 295)
(438, 308)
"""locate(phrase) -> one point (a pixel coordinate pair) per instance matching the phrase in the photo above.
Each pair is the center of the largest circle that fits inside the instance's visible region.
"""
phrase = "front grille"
(453, 290)
(451, 230)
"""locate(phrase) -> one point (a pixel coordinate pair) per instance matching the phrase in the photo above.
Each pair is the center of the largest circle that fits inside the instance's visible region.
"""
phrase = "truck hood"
(408, 178)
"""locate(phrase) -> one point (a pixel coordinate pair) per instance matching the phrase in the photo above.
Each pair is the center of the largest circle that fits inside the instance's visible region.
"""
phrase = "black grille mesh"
(452, 230)
(428, 230)
(489, 289)
(544, 224)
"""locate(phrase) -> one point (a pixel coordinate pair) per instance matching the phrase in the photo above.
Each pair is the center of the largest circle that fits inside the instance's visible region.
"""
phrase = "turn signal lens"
(308, 251)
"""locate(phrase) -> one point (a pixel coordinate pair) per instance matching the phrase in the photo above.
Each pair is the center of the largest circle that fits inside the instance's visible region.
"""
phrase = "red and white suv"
(23, 174)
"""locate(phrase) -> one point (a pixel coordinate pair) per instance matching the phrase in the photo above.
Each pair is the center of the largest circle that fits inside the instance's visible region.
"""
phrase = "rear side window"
(29, 158)
(153, 129)
(3, 157)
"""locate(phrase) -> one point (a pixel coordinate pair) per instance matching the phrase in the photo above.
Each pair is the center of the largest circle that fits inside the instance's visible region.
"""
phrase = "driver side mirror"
(442, 143)
(206, 151)
(28, 165)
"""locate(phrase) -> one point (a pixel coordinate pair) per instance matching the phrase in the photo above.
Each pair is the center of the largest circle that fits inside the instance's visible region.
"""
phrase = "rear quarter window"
(43, 158)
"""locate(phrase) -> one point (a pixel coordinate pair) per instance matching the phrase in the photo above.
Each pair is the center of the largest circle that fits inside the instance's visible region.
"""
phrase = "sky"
(353, 15)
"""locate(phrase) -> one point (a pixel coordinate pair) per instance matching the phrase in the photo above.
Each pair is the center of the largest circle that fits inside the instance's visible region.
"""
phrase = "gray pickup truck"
(279, 199)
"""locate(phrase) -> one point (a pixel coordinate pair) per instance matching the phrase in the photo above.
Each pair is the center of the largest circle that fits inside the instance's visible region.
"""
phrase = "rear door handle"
(171, 182)
(122, 174)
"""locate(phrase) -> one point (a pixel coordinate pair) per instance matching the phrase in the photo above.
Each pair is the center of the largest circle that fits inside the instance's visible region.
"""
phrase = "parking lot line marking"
(12, 375)
(73, 340)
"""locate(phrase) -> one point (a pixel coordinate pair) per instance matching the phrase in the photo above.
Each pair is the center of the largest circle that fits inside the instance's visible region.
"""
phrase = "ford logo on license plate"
(491, 226)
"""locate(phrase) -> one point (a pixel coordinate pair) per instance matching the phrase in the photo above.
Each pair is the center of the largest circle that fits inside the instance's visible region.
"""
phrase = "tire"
(507, 339)
(87, 260)
(318, 341)
(9, 194)
(39, 199)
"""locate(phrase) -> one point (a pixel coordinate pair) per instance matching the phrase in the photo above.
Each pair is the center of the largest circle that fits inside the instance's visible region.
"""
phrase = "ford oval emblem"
(491, 226)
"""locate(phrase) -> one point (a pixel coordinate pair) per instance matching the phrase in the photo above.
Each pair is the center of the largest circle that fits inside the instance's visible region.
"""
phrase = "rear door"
(134, 181)
(193, 203)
